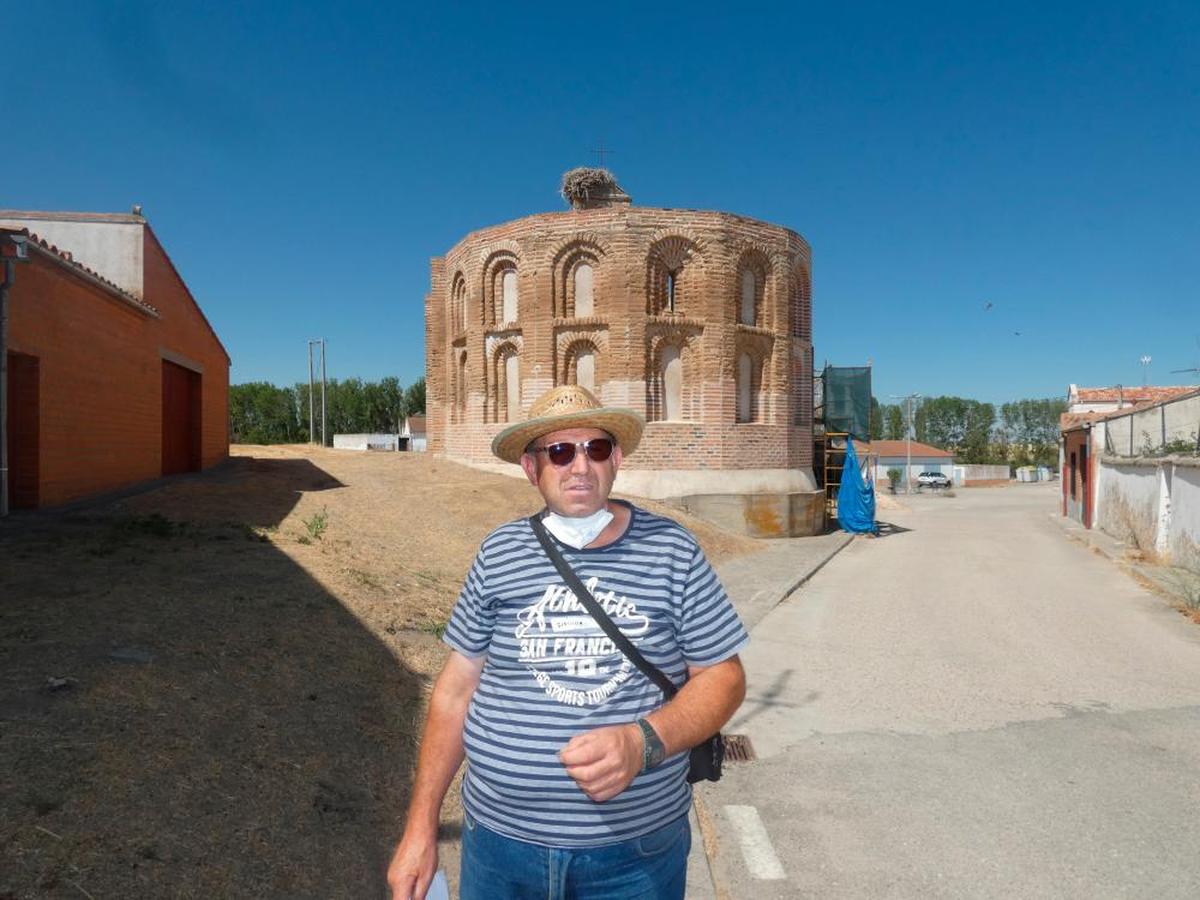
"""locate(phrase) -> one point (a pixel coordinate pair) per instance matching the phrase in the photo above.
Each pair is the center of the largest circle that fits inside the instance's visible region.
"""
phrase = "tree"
(1029, 430)
(893, 422)
(876, 419)
(260, 413)
(957, 424)
(414, 398)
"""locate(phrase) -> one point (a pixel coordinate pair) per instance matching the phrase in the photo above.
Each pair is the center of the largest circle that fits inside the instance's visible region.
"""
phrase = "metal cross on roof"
(601, 152)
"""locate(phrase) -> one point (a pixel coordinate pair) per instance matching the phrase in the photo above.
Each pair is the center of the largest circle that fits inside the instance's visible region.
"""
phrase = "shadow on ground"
(185, 712)
(888, 528)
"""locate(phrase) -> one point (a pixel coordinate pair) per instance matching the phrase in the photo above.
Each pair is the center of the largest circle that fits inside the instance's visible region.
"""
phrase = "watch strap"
(653, 751)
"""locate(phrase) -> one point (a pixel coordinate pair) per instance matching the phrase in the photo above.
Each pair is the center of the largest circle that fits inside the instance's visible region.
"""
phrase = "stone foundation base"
(799, 514)
(663, 484)
(762, 503)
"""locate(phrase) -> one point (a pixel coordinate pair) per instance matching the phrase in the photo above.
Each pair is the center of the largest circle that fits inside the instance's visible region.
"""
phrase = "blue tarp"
(856, 497)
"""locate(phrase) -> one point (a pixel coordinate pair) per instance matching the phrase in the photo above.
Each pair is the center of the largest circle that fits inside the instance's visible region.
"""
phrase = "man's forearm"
(701, 707)
(441, 751)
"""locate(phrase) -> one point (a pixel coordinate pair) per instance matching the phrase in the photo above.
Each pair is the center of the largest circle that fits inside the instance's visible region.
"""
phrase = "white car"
(933, 479)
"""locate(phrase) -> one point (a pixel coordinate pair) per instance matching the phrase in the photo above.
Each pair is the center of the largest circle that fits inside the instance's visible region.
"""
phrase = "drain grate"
(738, 748)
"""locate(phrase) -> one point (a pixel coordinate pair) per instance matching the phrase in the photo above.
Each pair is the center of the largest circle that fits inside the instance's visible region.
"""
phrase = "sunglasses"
(563, 452)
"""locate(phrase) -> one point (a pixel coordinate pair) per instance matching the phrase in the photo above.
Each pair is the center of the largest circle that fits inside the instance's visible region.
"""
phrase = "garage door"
(180, 419)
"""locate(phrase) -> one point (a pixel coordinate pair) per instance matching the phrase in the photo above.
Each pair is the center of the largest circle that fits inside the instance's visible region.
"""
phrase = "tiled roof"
(1130, 394)
(1071, 421)
(64, 257)
(891, 449)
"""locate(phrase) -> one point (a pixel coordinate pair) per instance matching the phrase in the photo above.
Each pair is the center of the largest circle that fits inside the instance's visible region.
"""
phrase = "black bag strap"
(597, 611)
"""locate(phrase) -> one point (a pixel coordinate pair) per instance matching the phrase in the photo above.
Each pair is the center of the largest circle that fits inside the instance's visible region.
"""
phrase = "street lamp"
(908, 429)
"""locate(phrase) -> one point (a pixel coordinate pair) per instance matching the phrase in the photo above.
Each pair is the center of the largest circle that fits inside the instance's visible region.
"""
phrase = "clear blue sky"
(302, 162)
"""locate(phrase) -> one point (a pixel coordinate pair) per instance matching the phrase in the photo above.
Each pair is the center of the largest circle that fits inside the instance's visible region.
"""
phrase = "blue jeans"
(651, 867)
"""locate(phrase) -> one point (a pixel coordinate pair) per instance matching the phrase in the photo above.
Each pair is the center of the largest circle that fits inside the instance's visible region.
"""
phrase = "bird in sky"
(1017, 333)
(987, 306)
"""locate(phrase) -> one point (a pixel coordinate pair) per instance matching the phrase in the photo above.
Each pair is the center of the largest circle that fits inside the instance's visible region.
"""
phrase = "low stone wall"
(973, 474)
(1153, 504)
(365, 441)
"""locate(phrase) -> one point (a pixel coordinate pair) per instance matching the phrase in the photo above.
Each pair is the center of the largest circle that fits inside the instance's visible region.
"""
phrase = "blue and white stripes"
(551, 673)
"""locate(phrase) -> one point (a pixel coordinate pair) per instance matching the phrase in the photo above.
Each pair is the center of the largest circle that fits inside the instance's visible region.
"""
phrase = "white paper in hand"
(438, 888)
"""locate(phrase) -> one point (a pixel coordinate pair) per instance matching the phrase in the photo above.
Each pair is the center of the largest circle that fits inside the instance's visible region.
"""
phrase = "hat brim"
(623, 424)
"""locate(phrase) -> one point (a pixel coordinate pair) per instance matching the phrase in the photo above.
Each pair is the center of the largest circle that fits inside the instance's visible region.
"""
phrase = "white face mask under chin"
(580, 532)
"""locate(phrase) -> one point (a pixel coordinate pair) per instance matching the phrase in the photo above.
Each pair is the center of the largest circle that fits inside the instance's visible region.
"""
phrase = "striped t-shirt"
(551, 673)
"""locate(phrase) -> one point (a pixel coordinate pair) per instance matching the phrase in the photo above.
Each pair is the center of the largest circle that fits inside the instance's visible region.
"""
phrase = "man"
(576, 769)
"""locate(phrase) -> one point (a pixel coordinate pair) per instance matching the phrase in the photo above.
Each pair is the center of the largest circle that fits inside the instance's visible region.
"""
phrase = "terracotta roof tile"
(65, 256)
(1131, 394)
(891, 449)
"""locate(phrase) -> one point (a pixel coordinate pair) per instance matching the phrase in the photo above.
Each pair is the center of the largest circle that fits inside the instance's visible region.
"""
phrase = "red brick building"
(700, 320)
(114, 375)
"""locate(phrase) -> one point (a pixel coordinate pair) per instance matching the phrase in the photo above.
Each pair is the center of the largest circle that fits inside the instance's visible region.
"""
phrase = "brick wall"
(630, 249)
(184, 331)
(100, 374)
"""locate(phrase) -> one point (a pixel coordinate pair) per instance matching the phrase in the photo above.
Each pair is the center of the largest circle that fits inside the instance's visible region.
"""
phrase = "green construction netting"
(848, 400)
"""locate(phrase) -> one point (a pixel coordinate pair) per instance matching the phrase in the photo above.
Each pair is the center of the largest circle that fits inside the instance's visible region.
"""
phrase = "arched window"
(671, 373)
(801, 304)
(668, 276)
(749, 305)
(458, 304)
(509, 290)
(584, 305)
(745, 388)
(512, 387)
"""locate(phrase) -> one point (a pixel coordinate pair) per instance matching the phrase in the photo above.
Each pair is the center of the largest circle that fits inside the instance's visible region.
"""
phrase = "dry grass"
(241, 661)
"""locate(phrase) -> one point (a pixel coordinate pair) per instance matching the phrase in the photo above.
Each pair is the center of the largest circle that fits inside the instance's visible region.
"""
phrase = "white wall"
(1153, 505)
(361, 441)
(114, 250)
(1177, 420)
(1183, 542)
(980, 472)
(938, 464)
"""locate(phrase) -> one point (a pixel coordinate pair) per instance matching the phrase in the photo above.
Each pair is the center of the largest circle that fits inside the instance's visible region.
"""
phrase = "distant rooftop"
(1127, 393)
(890, 449)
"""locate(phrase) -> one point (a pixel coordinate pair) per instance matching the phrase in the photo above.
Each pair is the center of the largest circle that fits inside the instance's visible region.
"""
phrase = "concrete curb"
(845, 542)
(1106, 546)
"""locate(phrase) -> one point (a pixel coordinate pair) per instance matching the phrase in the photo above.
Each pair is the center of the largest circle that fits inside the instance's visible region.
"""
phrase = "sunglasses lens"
(599, 449)
(560, 454)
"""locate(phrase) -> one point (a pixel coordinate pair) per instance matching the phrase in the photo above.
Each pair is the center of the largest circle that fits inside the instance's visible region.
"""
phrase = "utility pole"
(311, 387)
(324, 441)
(311, 432)
(908, 430)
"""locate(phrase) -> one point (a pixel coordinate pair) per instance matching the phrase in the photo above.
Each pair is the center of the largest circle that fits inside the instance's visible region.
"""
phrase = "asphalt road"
(974, 707)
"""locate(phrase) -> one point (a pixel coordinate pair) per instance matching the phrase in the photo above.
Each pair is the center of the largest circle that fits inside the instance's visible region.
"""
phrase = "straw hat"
(569, 406)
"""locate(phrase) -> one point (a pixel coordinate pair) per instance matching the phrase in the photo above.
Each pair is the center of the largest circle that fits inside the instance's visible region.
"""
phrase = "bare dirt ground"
(214, 687)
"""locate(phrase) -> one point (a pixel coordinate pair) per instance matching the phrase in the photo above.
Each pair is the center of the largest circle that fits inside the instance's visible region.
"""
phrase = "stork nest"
(584, 184)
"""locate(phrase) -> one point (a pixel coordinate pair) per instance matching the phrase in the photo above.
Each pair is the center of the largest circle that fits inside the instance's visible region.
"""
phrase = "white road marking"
(756, 843)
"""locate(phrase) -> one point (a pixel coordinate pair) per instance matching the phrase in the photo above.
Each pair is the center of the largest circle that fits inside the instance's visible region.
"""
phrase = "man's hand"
(604, 761)
(413, 866)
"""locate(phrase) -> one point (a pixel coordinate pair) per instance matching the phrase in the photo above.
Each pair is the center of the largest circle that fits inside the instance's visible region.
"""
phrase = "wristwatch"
(653, 751)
